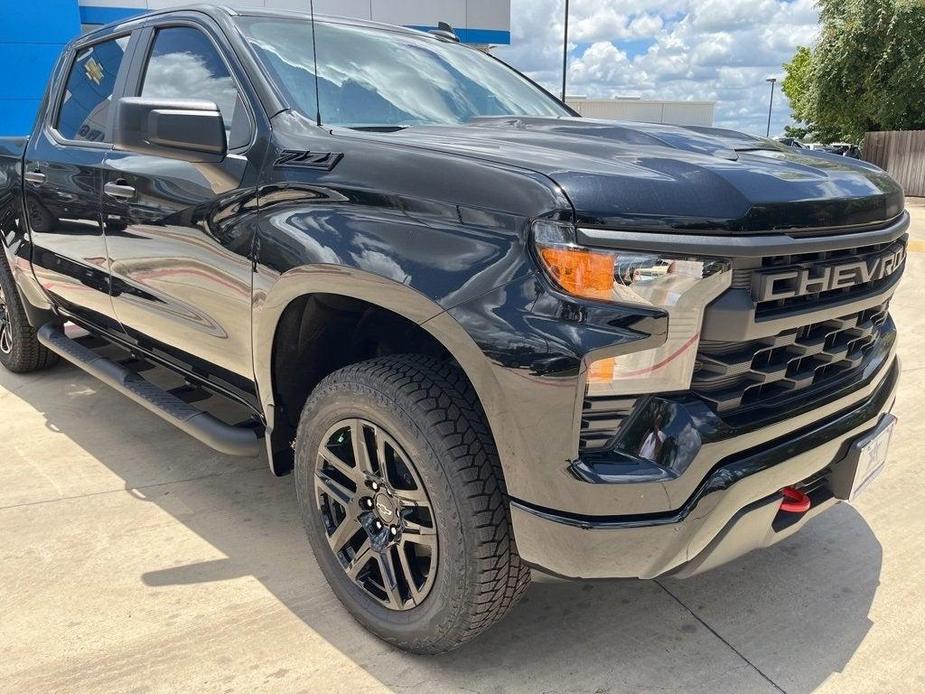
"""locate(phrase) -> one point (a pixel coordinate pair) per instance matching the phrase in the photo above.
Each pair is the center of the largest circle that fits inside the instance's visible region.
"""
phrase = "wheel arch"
(292, 323)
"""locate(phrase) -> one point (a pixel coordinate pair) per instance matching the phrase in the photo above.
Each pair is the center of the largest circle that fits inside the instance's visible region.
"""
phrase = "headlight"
(679, 284)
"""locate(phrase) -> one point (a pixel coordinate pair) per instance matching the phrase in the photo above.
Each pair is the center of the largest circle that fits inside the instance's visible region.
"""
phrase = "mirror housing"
(186, 129)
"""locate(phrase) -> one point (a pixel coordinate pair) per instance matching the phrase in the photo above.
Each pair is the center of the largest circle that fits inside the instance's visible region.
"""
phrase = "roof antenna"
(311, 8)
(444, 31)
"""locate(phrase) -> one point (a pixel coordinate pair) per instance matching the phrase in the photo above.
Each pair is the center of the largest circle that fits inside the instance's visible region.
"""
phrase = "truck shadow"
(797, 612)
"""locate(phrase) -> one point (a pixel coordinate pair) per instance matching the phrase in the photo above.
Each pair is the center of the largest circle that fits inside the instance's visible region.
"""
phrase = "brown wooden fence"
(902, 154)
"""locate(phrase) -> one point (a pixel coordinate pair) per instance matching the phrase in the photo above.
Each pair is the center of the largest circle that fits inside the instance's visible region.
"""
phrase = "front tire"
(20, 350)
(403, 500)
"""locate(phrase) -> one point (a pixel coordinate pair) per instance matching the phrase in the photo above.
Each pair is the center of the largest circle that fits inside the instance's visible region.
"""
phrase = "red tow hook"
(794, 501)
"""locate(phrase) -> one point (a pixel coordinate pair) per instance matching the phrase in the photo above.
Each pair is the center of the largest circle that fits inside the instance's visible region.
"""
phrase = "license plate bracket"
(866, 459)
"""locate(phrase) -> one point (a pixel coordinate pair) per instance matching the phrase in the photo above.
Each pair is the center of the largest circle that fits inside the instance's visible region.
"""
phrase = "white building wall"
(646, 110)
(485, 19)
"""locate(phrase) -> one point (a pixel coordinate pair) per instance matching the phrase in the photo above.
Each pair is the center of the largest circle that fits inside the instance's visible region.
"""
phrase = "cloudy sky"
(719, 50)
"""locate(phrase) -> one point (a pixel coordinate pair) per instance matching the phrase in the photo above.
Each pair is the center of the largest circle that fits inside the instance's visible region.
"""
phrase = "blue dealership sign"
(31, 37)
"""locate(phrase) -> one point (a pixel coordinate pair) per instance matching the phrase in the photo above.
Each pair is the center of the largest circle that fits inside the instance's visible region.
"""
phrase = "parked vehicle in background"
(483, 333)
(845, 149)
(790, 142)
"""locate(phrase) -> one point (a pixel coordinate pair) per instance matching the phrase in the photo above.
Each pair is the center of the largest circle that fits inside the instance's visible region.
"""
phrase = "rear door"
(178, 237)
(63, 181)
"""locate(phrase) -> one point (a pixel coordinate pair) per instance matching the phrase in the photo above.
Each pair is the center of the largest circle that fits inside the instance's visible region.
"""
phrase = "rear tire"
(441, 479)
(20, 351)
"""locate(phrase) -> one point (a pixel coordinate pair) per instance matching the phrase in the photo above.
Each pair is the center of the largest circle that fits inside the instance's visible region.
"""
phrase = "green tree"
(866, 72)
(797, 84)
(796, 132)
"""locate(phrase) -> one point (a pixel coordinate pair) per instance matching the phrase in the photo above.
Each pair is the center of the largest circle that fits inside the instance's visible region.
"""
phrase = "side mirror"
(185, 129)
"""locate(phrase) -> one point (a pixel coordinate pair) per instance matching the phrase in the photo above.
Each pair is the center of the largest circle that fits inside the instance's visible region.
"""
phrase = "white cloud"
(609, 24)
(602, 63)
(726, 15)
(719, 50)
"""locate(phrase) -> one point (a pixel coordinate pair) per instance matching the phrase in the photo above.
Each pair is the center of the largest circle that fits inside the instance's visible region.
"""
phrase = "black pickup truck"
(484, 333)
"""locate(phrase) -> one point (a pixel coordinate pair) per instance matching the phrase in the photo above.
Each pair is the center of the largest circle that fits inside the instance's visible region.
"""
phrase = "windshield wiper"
(378, 128)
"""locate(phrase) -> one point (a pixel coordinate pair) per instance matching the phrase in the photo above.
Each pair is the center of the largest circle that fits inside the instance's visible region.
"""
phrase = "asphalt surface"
(132, 558)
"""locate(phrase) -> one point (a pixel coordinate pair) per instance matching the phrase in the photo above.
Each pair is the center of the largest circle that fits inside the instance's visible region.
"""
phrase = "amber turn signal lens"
(581, 272)
(602, 371)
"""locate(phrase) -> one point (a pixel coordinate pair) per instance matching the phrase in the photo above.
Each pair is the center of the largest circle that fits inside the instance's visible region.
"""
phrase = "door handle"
(119, 190)
(36, 178)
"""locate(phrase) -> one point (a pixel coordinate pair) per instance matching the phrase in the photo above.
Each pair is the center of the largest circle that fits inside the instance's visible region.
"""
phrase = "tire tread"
(439, 393)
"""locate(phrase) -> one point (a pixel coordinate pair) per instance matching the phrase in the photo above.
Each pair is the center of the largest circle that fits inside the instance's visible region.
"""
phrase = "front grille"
(742, 278)
(791, 331)
(601, 416)
(730, 375)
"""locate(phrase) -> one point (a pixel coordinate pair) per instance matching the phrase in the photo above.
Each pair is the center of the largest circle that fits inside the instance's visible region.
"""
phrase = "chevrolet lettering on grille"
(790, 282)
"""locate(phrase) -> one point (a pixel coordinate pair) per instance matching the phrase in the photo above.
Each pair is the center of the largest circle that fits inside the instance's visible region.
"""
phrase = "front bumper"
(735, 508)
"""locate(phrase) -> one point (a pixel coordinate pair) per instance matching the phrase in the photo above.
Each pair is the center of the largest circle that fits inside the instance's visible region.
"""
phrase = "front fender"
(273, 294)
(415, 258)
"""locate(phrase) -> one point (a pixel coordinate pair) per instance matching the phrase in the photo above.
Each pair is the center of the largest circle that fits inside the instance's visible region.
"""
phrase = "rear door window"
(84, 111)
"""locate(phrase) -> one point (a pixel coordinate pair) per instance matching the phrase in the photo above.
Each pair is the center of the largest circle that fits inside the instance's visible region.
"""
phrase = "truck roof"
(219, 12)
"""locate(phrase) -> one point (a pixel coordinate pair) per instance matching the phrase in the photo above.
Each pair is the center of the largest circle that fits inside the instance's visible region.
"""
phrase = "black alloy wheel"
(404, 504)
(375, 510)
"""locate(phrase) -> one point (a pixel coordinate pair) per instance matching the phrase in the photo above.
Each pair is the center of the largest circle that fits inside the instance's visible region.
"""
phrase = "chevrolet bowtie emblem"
(94, 70)
(384, 510)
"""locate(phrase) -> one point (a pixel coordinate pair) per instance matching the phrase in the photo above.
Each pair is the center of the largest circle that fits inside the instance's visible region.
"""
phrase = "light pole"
(565, 52)
(772, 80)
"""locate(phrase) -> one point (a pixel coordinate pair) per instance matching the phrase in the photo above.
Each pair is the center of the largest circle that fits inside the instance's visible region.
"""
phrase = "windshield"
(370, 77)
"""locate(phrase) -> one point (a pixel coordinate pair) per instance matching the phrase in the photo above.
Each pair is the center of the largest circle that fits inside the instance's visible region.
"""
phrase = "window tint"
(185, 65)
(84, 109)
(371, 77)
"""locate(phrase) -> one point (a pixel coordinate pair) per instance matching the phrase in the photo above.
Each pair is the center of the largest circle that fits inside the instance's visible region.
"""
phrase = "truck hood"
(659, 177)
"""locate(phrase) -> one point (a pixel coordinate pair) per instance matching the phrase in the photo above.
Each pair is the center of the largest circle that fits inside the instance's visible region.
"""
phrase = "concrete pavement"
(133, 558)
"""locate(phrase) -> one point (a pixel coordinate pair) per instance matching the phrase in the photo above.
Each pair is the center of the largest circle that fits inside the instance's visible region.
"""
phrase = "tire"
(423, 411)
(20, 351)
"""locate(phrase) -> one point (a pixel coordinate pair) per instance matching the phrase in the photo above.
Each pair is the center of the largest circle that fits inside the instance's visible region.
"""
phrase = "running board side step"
(225, 438)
